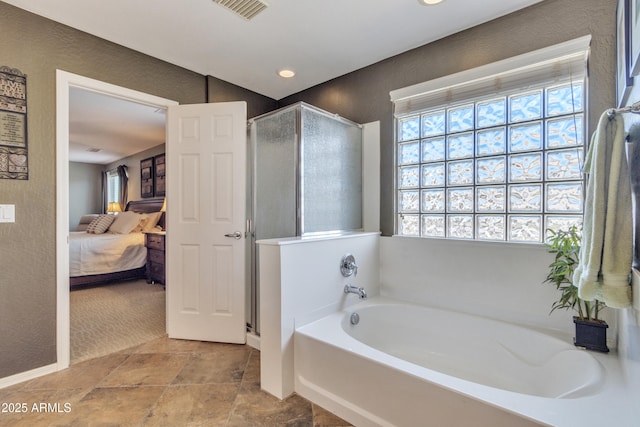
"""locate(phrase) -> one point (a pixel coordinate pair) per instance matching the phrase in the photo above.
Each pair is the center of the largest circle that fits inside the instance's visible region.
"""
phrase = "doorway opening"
(64, 82)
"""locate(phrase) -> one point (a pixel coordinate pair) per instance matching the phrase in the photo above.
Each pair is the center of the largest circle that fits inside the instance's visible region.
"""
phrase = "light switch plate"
(7, 213)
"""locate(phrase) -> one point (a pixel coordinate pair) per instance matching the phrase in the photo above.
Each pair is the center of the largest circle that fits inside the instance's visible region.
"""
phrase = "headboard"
(147, 206)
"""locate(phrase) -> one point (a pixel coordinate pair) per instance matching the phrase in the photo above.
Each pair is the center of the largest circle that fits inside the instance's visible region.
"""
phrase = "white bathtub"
(409, 365)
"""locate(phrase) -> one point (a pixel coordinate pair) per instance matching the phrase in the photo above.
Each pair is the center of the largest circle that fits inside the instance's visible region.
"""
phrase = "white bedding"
(105, 253)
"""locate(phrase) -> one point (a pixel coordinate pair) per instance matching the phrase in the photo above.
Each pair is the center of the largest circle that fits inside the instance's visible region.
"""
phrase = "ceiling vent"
(245, 8)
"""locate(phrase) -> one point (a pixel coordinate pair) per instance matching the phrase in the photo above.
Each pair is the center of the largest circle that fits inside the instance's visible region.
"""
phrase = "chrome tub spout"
(350, 289)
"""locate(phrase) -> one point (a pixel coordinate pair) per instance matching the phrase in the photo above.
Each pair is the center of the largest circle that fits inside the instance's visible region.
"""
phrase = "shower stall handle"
(236, 235)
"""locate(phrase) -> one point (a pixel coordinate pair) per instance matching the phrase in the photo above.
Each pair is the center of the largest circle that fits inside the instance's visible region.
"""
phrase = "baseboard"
(28, 375)
(253, 340)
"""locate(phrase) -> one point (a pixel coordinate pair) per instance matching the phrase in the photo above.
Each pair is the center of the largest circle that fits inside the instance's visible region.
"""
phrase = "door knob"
(237, 235)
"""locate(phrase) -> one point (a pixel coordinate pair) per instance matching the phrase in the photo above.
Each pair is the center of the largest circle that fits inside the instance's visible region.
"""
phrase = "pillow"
(152, 220)
(85, 220)
(125, 222)
(140, 227)
(100, 224)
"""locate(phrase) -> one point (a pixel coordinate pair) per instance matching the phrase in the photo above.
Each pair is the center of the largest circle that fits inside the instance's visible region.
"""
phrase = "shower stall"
(306, 180)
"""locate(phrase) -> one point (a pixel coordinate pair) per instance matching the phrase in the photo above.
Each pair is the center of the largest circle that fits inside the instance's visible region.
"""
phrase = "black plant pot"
(591, 334)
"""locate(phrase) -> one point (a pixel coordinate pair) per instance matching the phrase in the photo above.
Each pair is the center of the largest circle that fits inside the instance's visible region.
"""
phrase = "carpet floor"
(113, 317)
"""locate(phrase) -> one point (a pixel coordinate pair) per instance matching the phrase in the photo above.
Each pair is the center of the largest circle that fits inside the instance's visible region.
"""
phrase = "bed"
(103, 257)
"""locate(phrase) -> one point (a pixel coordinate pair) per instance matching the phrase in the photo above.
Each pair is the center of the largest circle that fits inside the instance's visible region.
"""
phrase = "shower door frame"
(253, 324)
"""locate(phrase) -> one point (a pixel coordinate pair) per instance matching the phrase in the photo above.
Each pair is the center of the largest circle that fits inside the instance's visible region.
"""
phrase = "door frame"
(65, 81)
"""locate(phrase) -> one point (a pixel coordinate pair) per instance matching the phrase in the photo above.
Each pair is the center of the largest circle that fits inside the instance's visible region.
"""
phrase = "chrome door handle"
(237, 235)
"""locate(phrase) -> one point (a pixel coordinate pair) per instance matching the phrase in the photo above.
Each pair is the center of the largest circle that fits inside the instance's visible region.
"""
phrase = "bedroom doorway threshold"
(64, 82)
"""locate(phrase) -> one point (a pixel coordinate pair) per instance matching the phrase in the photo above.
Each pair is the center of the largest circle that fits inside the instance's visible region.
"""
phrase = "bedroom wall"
(37, 47)
(84, 191)
(363, 96)
(133, 167)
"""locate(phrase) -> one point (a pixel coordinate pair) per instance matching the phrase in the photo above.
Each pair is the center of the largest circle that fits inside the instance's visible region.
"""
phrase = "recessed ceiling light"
(429, 2)
(286, 73)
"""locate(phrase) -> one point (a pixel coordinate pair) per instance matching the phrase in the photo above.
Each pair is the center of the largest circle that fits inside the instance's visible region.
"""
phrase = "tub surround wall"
(300, 281)
(497, 280)
(629, 354)
(629, 339)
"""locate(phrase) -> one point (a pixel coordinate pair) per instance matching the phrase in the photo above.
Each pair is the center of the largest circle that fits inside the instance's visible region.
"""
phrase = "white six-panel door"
(206, 194)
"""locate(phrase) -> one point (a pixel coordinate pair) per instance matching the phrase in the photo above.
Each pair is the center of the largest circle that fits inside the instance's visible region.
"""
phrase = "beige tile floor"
(161, 383)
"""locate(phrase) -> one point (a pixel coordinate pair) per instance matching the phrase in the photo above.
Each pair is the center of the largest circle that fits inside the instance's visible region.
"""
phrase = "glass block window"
(496, 168)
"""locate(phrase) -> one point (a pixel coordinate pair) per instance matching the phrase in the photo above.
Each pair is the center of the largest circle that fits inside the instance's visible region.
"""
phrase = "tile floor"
(164, 382)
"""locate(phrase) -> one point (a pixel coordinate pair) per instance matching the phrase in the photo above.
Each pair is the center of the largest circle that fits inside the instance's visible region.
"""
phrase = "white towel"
(607, 237)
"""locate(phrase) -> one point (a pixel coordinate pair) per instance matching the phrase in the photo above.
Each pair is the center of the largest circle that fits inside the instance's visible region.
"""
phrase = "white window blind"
(544, 66)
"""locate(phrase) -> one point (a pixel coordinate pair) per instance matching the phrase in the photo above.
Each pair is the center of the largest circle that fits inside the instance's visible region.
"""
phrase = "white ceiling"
(319, 39)
(115, 127)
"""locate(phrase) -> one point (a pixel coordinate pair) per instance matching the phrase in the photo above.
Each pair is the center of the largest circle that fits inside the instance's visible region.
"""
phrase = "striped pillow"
(101, 224)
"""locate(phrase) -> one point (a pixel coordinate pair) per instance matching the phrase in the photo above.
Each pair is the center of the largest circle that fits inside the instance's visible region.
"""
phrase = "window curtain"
(123, 182)
(122, 191)
(105, 191)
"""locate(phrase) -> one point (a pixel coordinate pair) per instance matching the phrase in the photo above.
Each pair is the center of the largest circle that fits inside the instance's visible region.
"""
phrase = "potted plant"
(591, 332)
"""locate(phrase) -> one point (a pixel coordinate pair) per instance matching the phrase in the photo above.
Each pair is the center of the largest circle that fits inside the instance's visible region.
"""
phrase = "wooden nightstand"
(155, 243)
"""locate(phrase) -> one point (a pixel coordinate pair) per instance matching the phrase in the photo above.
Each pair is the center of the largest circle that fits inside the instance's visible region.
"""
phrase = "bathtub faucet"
(349, 289)
(348, 266)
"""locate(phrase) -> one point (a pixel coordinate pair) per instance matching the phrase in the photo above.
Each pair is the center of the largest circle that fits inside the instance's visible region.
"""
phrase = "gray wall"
(38, 47)
(221, 91)
(85, 191)
(363, 96)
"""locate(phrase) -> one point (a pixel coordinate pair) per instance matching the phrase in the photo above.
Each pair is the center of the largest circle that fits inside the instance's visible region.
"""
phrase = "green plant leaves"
(565, 244)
